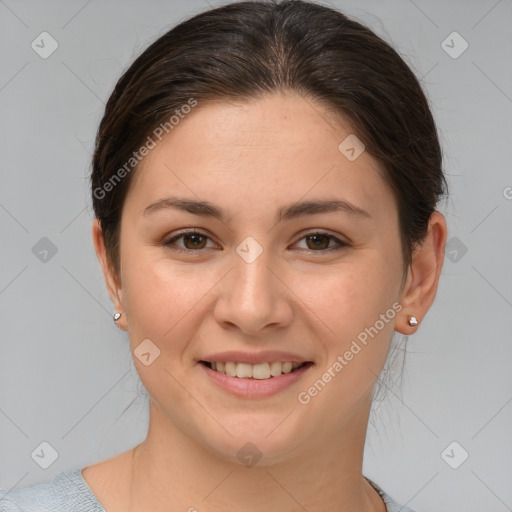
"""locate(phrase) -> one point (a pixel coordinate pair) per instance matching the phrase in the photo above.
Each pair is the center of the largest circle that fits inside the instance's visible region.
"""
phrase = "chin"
(256, 441)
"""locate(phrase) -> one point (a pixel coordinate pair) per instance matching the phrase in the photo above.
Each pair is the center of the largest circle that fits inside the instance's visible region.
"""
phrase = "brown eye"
(190, 241)
(318, 241)
(322, 242)
(194, 241)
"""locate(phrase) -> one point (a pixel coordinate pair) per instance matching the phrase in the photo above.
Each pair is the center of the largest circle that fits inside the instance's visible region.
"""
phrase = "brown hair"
(246, 49)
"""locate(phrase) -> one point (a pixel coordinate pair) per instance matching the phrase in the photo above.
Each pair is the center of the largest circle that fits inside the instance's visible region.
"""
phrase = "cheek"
(157, 300)
(352, 295)
(354, 309)
(161, 303)
(159, 297)
(354, 316)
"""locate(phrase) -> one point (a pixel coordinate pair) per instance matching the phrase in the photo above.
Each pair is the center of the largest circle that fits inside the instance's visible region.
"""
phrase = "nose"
(254, 298)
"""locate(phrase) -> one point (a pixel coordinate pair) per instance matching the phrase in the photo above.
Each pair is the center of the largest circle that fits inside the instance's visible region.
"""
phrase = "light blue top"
(69, 492)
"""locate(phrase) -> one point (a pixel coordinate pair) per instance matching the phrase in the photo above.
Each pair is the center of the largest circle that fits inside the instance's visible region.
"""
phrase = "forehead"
(259, 151)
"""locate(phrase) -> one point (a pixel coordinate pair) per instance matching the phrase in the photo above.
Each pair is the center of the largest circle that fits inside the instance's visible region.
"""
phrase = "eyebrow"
(288, 212)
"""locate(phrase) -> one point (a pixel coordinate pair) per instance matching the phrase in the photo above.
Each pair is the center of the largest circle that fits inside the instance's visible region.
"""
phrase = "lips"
(250, 387)
(254, 358)
(254, 374)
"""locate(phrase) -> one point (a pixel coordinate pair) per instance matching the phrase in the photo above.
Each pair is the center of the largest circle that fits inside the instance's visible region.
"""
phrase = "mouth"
(255, 381)
(260, 371)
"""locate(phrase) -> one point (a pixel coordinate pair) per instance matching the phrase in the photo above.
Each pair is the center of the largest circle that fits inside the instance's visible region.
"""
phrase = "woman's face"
(269, 281)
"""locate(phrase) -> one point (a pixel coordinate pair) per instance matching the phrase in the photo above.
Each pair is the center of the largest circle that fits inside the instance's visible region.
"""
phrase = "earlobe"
(111, 279)
(423, 276)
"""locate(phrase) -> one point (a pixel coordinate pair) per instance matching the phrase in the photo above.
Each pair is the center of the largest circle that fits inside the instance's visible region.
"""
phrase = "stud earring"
(413, 321)
(116, 317)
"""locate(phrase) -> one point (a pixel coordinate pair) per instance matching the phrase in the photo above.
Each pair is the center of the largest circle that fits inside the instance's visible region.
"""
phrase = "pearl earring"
(116, 317)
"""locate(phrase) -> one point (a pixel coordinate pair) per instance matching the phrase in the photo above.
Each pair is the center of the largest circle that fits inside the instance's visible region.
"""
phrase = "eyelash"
(170, 242)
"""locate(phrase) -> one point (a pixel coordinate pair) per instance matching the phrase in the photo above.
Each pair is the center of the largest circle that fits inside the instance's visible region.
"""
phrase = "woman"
(265, 182)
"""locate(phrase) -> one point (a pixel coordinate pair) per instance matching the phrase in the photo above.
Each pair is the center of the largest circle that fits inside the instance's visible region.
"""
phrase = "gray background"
(66, 374)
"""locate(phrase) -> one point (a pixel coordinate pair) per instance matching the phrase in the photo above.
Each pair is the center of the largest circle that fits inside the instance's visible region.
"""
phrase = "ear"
(423, 274)
(112, 280)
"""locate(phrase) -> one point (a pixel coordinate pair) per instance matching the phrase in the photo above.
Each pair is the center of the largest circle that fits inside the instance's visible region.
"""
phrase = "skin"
(250, 158)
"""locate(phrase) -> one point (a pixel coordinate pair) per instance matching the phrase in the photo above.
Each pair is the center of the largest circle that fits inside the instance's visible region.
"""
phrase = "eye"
(192, 241)
(321, 242)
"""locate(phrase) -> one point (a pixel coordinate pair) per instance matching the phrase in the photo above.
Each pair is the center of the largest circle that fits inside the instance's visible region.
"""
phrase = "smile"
(259, 380)
(259, 371)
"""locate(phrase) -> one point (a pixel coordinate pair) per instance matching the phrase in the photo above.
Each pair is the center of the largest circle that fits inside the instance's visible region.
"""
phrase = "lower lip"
(254, 388)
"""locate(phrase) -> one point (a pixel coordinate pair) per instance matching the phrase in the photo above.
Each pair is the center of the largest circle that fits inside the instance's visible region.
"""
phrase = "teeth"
(287, 367)
(256, 371)
(231, 369)
(275, 368)
(261, 371)
(244, 370)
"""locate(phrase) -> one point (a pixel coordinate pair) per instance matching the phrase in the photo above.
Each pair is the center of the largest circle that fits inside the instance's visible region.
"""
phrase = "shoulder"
(391, 504)
(67, 491)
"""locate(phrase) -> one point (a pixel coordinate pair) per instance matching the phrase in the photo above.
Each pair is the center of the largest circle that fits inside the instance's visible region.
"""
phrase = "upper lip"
(254, 357)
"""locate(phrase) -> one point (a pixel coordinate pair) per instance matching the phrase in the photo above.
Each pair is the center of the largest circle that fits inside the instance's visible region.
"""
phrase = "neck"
(172, 471)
